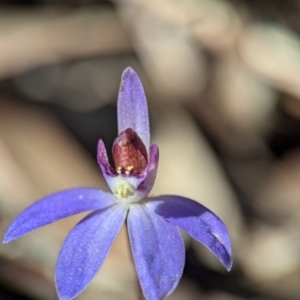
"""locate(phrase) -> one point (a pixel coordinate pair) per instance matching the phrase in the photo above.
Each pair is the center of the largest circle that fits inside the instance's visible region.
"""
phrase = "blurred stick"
(42, 36)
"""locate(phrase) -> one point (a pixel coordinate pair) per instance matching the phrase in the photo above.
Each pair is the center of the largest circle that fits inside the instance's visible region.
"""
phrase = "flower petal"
(85, 249)
(103, 162)
(55, 207)
(198, 221)
(158, 252)
(132, 106)
(146, 186)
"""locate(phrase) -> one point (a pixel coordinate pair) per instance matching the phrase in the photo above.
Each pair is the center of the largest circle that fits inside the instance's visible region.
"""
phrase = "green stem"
(139, 291)
(140, 295)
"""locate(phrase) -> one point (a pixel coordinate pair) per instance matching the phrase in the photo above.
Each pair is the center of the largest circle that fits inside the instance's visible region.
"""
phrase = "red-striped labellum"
(129, 153)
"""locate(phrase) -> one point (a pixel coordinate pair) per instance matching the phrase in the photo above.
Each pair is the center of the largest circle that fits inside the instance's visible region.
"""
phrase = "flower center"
(124, 190)
(129, 153)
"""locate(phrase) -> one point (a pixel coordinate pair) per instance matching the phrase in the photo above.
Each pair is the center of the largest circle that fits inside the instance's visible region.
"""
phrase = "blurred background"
(222, 78)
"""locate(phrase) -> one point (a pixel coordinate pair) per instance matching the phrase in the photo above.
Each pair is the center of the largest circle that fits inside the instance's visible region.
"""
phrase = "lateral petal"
(158, 252)
(132, 106)
(198, 221)
(85, 249)
(146, 185)
(55, 207)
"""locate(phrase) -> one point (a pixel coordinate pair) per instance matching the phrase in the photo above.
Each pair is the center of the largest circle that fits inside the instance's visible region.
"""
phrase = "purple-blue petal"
(198, 221)
(132, 106)
(157, 250)
(85, 249)
(103, 161)
(55, 207)
(146, 185)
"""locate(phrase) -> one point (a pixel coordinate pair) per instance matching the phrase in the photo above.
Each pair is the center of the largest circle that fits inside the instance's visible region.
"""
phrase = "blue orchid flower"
(153, 223)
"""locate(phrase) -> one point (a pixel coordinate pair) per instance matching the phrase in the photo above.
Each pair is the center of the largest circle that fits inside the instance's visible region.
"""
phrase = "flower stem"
(140, 295)
(138, 289)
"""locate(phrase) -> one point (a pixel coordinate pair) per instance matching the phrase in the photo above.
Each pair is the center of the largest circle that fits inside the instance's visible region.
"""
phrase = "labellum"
(129, 153)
